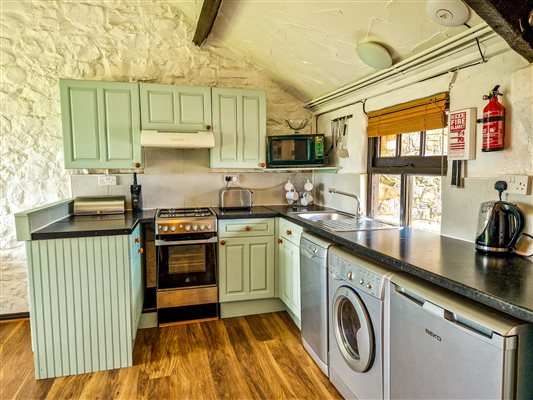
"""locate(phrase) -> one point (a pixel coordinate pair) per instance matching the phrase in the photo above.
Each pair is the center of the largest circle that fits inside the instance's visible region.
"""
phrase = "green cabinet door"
(239, 125)
(136, 285)
(246, 268)
(175, 108)
(101, 124)
(289, 275)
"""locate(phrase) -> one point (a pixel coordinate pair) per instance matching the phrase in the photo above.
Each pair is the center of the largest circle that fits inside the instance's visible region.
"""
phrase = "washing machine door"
(353, 329)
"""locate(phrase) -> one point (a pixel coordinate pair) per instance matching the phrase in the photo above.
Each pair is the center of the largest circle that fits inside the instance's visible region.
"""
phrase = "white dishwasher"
(444, 346)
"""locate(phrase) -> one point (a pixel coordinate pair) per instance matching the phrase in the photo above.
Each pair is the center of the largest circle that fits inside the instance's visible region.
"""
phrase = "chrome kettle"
(499, 225)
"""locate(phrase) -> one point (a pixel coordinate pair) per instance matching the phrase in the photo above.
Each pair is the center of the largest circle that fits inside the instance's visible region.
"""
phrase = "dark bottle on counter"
(136, 199)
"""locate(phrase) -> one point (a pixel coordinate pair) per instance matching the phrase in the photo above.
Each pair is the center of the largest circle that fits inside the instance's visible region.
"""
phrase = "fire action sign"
(462, 136)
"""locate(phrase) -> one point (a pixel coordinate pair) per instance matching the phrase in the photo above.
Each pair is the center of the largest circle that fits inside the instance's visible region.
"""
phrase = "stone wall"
(42, 42)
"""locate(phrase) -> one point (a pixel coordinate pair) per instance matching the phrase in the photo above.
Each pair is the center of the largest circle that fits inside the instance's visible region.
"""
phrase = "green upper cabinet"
(239, 125)
(101, 124)
(175, 108)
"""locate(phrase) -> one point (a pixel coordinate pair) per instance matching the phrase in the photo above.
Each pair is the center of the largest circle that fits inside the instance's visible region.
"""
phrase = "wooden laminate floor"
(259, 356)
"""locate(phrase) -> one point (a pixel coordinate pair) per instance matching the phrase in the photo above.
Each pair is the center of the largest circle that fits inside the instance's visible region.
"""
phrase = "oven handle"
(184, 242)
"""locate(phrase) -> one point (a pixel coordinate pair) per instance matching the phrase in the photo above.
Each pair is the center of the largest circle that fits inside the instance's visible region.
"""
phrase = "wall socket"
(234, 178)
(107, 180)
(517, 184)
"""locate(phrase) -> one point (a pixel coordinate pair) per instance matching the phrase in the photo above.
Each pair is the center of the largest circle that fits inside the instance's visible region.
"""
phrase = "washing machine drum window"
(353, 330)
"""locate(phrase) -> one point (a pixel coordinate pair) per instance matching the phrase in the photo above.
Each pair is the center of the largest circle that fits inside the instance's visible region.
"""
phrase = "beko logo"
(433, 335)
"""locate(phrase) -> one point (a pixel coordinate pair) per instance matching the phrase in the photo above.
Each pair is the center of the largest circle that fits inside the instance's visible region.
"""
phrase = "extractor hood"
(177, 140)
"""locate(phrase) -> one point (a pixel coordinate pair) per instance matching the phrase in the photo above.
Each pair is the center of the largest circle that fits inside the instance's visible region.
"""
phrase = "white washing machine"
(356, 315)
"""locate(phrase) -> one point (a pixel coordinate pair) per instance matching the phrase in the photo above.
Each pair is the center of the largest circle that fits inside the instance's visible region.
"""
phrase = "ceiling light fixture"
(374, 55)
(448, 12)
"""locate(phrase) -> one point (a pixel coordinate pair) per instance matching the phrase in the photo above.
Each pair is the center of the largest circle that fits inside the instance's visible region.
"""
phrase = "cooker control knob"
(202, 227)
(187, 227)
(173, 228)
(160, 227)
(369, 285)
(195, 227)
(209, 226)
(165, 228)
(181, 226)
(350, 275)
(362, 281)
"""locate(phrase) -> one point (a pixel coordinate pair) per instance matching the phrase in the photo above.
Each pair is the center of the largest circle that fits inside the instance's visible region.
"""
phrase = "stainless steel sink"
(340, 222)
(324, 216)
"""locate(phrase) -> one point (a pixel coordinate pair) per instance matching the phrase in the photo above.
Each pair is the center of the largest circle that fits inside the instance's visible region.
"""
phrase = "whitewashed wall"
(100, 40)
(460, 205)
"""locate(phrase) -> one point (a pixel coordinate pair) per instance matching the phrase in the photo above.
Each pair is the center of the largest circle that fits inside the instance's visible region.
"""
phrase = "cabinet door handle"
(137, 165)
(247, 228)
(137, 240)
(289, 232)
(262, 165)
(222, 242)
(140, 250)
(280, 241)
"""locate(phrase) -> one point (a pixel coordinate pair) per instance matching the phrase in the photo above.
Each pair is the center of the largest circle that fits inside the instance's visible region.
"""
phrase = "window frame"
(403, 166)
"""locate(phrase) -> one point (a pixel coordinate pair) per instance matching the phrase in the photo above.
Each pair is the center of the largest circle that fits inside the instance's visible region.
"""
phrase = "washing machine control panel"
(356, 275)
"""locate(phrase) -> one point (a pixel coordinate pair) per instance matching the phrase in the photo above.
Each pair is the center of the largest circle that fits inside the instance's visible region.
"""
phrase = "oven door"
(186, 262)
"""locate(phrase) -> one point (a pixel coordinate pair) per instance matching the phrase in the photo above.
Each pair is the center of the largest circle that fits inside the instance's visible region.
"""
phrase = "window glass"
(410, 144)
(387, 198)
(436, 142)
(425, 202)
(387, 146)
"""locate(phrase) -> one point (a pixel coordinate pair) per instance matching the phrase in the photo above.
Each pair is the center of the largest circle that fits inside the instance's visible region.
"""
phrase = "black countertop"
(255, 212)
(93, 225)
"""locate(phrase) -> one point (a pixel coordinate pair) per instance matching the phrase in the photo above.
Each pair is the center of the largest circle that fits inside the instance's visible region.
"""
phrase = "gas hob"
(172, 221)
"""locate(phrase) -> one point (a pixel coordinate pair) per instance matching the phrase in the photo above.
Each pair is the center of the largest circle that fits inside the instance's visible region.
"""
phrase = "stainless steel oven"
(186, 251)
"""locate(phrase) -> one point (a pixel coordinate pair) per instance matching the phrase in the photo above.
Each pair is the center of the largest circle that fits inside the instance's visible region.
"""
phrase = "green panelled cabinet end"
(86, 297)
(101, 124)
(175, 108)
(289, 279)
(239, 126)
(288, 264)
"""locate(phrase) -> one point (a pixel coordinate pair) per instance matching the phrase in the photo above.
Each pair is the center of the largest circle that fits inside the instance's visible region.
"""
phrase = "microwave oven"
(295, 151)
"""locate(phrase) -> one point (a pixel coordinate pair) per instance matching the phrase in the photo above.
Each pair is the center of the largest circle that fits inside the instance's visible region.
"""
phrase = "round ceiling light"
(374, 55)
(448, 12)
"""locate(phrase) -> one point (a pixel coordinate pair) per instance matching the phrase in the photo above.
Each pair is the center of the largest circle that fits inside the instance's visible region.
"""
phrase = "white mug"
(289, 187)
(308, 186)
(291, 195)
(304, 201)
(308, 197)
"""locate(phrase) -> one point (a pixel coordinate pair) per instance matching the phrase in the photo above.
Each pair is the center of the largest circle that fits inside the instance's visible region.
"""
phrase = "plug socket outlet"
(518, 184)
(234, 178)
(107, 180)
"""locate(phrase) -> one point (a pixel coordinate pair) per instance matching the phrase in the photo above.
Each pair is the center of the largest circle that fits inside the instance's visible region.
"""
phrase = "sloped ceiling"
(309, 46)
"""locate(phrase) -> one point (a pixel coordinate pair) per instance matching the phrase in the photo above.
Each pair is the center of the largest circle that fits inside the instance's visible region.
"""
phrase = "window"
(405, 169)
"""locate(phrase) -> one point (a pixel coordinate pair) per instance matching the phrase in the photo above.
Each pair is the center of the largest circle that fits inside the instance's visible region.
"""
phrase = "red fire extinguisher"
(493, 122)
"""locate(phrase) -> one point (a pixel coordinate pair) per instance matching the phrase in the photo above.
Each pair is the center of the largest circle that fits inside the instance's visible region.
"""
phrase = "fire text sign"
(462, 136)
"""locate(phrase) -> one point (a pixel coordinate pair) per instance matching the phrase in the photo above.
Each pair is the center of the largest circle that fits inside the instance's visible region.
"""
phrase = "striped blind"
(417, 115)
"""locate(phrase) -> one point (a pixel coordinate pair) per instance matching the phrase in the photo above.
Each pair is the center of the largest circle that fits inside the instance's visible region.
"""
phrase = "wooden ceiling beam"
(510, 20)
(208, 14)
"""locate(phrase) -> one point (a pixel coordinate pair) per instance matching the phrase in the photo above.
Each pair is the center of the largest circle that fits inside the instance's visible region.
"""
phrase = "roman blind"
(414, 116)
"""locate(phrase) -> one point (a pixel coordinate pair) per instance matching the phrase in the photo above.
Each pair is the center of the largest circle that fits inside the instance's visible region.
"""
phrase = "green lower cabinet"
(137, 283)
(86, 298)
(246, 268)
(289, 276)
(101, 124)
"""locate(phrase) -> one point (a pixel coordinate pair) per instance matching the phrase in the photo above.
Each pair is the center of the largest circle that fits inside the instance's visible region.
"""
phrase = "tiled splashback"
(182, 178)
